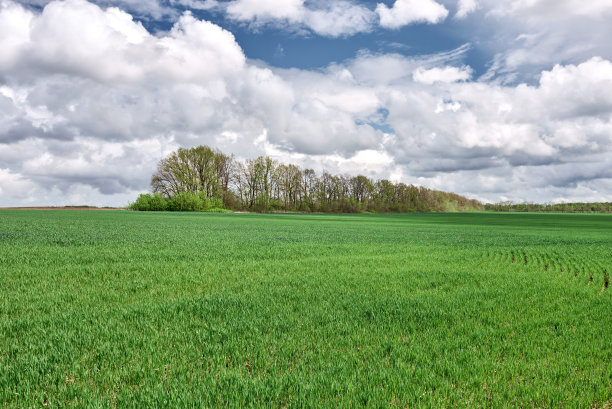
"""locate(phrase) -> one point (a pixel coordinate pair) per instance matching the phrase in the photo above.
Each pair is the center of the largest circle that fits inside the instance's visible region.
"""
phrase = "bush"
(158, 203)
(143, 203)
(216, 203)
(181, 202)
(187, 202)
(147, 202)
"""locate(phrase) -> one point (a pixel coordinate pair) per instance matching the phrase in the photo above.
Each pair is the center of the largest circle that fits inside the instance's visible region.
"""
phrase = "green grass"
(138, 309)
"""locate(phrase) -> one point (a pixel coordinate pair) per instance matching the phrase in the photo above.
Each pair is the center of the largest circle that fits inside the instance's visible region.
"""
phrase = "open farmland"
(128, 309)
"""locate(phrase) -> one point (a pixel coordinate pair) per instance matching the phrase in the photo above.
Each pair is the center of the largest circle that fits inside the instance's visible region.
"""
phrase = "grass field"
(126, 309)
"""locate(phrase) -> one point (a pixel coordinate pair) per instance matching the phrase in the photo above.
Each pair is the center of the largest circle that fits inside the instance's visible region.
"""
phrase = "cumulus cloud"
(338, 17)
(90, 101)
(406, 12)
(466, 7)
(530, 36)
(14, 32)
(156, 9)
(265, 9)
(14, 185)
(83, 78)
(553, 9)
(465, 127)
(197, 4)
(335, 18)
(446, 74)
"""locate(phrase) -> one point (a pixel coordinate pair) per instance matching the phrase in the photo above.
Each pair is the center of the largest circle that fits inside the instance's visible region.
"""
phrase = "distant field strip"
(122, 309)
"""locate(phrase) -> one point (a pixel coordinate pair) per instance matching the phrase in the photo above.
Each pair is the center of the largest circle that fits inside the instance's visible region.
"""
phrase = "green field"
(144, 310)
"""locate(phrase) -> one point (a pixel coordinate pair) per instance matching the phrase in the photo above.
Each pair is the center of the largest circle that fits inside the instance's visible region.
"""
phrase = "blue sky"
(290, 47)
(495, 100)
(313, 51)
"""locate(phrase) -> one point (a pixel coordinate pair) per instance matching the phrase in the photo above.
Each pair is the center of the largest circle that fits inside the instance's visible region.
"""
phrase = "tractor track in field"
(568, 263)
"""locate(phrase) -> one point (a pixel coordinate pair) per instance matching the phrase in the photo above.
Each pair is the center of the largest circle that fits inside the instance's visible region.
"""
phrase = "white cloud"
(443, 106)
(89, 117)
(445, 74)
(457, 127)
(530, 36)
(553, 9)
(14, 32)
(334, 19)
(89, 78)
(75, 37)
(466, 7)
(155, 9)
(197, 4)
(406, 12)
(339, 18)
(245, 10)
(14, 185)
(377, 69)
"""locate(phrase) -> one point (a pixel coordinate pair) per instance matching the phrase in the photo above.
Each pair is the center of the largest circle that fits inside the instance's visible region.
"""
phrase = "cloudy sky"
(496, 100)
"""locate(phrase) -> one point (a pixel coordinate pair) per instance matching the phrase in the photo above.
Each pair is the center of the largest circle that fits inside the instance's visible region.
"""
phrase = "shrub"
(147, 202)
(143, 203)
(158, 203)
(187, 202)
(181, 202)
(216, 203)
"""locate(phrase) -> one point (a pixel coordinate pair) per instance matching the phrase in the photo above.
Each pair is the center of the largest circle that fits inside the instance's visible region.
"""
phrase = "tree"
(362, 189)
(196, 170)
(308, 185)
(386, 199)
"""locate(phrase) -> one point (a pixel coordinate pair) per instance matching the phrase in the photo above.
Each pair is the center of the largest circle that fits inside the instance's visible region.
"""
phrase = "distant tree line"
(202, 178)
(601, 207)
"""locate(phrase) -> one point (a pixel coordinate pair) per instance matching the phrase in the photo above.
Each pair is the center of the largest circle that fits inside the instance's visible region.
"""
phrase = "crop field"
(143, 310)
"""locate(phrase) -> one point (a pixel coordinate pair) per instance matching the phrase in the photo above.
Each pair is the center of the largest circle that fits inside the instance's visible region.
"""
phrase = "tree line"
(202, 178)
(597, 207)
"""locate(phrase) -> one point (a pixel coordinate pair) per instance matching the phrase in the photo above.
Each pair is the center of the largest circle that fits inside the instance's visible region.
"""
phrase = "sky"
(495, 100)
